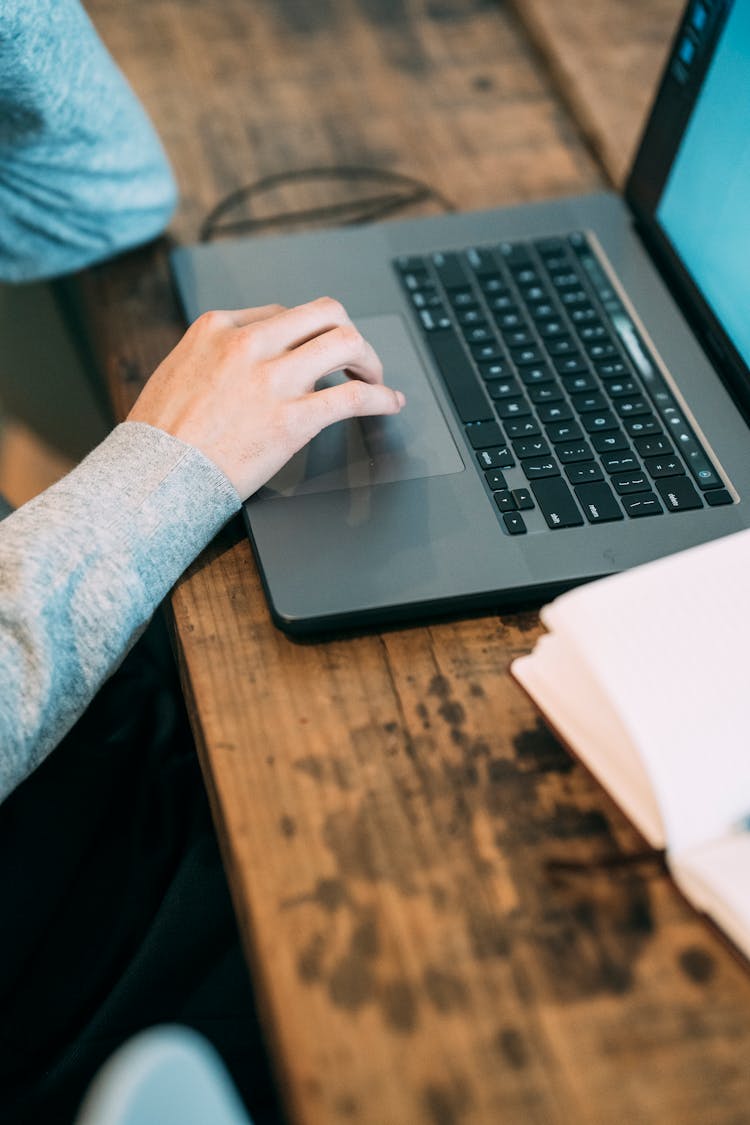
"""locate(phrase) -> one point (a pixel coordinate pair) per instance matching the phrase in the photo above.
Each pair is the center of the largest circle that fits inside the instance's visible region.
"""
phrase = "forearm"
(82, 569)
(82, 172)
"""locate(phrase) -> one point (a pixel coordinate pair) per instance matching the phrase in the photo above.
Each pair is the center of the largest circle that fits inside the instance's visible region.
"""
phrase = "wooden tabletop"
(390, 809)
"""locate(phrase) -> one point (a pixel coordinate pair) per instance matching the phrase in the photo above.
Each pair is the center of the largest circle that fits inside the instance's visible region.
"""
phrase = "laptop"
(576, 375)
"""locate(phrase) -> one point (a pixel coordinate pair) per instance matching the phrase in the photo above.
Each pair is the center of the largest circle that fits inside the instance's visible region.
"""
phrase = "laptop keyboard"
(563, 406)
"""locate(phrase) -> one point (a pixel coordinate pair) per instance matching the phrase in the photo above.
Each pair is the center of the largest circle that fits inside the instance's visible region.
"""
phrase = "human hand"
(240, 386)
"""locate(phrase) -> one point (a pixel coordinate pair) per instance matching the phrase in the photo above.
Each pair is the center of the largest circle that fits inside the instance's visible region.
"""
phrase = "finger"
(348, 400)
(240, 318)
(340, 349)
(292, 327)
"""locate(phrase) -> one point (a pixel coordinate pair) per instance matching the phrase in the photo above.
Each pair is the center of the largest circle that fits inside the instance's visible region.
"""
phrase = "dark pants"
(114, 909)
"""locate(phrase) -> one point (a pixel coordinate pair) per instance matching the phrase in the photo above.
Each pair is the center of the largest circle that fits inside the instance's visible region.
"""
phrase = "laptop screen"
(704, 208)
(690, 184)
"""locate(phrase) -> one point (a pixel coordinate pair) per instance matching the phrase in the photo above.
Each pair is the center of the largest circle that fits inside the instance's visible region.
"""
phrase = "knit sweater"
(84, 565)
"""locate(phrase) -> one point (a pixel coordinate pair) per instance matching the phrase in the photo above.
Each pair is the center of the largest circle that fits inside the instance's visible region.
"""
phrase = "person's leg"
(116, 914)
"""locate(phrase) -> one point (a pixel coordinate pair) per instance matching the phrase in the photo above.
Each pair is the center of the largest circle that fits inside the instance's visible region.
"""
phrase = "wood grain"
(388, 804)
(607, 57)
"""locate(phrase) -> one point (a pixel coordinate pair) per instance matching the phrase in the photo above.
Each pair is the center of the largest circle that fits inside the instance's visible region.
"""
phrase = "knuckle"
(209, 322)
(332, 308)
(355, 396)
(351, 338)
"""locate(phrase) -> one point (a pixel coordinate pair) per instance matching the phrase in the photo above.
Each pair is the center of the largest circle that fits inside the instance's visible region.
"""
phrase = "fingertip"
(400, 399)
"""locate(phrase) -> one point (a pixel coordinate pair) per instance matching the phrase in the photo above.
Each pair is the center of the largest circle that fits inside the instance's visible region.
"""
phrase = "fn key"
(556, 502)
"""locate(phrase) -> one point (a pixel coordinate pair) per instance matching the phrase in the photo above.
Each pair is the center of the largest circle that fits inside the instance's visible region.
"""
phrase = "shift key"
(556, 502)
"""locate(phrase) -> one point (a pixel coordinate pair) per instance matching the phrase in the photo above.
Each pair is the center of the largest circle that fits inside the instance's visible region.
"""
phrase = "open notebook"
(646, 676)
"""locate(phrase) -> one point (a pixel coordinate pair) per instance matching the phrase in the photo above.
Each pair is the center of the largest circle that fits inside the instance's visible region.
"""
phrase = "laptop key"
(664, 466)
(571, 452)
(530, 447)
(498, 458)
(541, 467)
(641, 504)
(599, 420)
(621, 461)
(514, 522)
(496, 480)
(716, 497)
(589, 401)
(631, 482)
(522, 427)
(504, 501)
(555, 412)
(484, 434)
(496, 369)
(504, 388)
(678, 494)
(459, 377)
(605, 443)
(583, 473)
(563, 431)
(632, 407)
(540, 373)
(524, 500)
(639, 427)
(598, 502)
(547, 392)
(512, 408)
(556, 503)
(650, 446)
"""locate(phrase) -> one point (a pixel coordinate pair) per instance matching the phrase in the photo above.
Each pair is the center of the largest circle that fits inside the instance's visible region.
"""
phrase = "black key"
(632, 407)
(601, 351)
(537, 374)
(641, 504)
(594, 331)
(556, 502)
(577, 384)
(570, 364)
(468, 397)
(584, 314)
(525, 275)
(504, 501)
(619, 388)
(514, 523)
(484, 434)
(463, 298)
(518, 338)
(484, 352)
(494, 369)
(504, 388)
(512, 408)
(678, 494)
(534, 293)
(496, 480)
(561, 346)
(583, 473)
(550, 247)
(509, 320)
(611, 368)
(555, 412)
(567, 280)
(523, 499)
(435, 320)
(702, 469)
(530, 447)
(515, 254)
(502, 302)
(406, 264)
(599, 420)
(492, 284)
(471, 317)
(522, 427)
(716, 497)
(605, 443)
(639, 427)
(589, 401)
(426, 299)
(541, 467)
(574, 297)
(631, 482)
(450, 270)
(551, 329)
(482, 261)
(563, 431)
(526, 357)
(547, 392)
(478, 334)
(621, 461)
(543, 311)
(571, 452)
(650, 446)
(598, 503)
(664, 466)
(500, 457)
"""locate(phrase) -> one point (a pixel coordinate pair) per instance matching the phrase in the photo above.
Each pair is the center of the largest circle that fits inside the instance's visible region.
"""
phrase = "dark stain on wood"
(511, 1045)
(697, 964)
(398, 1003)
(447, 1103)
(447, 992)
(288, 826)
(351, 983)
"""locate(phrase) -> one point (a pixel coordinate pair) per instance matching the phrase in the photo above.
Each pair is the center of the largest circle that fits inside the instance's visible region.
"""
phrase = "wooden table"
(388, 804)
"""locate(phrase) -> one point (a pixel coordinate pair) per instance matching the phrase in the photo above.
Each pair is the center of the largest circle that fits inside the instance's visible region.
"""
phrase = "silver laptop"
(576, 374)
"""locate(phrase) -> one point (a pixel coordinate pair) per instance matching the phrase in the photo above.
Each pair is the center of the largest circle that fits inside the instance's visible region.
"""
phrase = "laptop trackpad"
(366, 451)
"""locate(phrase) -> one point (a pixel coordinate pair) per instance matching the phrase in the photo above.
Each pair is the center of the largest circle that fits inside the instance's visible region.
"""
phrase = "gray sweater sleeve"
(82, 568)
(82, 172)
